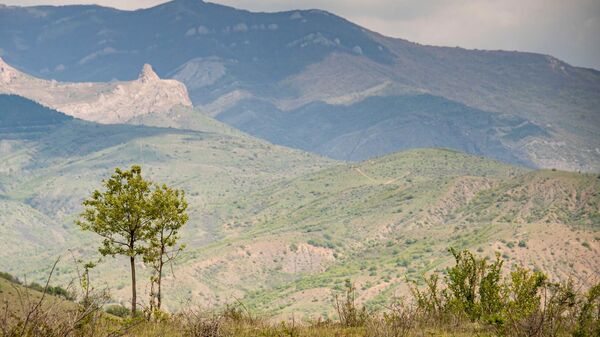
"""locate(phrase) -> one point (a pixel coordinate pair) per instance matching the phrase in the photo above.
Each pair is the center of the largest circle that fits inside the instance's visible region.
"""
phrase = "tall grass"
(473, 299)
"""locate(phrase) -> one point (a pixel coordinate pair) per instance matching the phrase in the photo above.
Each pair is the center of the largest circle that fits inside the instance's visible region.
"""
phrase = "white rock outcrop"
(115, 102)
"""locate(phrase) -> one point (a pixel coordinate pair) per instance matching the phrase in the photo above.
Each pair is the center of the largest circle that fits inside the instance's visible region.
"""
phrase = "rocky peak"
(148, 74)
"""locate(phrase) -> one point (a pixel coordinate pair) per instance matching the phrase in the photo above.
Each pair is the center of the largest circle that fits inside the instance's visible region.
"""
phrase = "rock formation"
(114, 102)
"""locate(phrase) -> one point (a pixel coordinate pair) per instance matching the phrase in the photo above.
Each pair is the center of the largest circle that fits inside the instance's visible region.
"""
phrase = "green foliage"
(525, 304)
(135, 217)
(117, 310)
(168, 208)
(57, 291)
(588, 321)
(490, 290)
(524, 292)
(120, 214)
(60, 292)
(474, 286)
(432, 299)
(9, 278)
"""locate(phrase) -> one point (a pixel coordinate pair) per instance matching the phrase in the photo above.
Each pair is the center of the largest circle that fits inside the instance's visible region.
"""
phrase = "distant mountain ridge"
(235, 62)
(394, 123)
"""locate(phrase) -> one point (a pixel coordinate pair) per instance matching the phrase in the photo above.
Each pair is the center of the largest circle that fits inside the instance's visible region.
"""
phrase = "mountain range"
(311, 150)
(315, 81)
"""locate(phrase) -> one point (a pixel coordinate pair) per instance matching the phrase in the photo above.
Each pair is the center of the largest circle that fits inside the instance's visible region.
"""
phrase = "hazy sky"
(567, 29)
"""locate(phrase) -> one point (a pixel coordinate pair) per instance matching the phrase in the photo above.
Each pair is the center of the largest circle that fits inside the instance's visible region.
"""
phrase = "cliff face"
(114, 102)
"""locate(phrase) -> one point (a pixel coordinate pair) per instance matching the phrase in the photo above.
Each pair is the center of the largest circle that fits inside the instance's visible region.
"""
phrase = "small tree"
(169, 211)
(491, 295)
(463, 282)
(474, 285)
(121, 215)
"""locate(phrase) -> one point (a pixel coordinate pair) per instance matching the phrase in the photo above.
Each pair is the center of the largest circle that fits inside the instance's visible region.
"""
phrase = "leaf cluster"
(134, 216)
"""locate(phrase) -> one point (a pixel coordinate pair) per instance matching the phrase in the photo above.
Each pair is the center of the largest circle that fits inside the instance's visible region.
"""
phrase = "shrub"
(9, 278)
(523, 301)
(474, 286)
(431, 300)
(61, 292)
(117, 310)
(588, 320)
(348, 312)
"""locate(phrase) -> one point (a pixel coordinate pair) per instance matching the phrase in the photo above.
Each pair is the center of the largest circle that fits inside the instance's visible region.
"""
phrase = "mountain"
(256, 71)
(114, 102)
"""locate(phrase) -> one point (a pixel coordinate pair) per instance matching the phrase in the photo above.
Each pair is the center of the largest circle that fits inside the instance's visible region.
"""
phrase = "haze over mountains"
(314, 81)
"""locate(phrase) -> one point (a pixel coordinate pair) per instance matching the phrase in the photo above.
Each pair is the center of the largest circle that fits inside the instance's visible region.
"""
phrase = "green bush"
(9, 278)
(60, 292)
(588, 320)
(117, 310)
(474, 285)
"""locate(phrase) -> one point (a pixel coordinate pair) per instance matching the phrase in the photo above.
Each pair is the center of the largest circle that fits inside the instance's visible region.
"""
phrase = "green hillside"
(280, 228)
(45, 177)
(380, 222)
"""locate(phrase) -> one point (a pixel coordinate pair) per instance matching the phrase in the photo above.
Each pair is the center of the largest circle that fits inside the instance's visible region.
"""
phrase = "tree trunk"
(133, 286)
(159, 293)
(152, 295)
